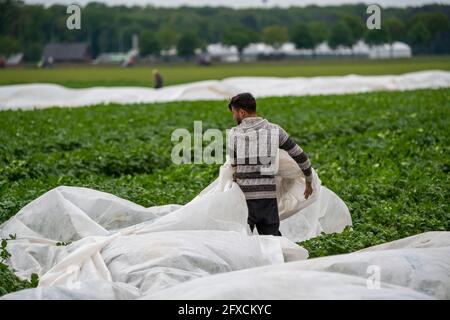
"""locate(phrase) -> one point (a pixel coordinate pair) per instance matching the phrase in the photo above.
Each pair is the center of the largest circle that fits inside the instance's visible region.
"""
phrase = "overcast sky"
(246, 3)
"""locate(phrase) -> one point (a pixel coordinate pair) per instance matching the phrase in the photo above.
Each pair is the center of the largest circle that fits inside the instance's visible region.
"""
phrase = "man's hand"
(308, 190)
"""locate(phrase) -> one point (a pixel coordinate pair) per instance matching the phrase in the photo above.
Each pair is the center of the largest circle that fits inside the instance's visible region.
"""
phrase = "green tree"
(356, 26)
(376, 36)
(9, 45)
(167, 37)
(435, 22)
(340, 35)
(249, 21)
(187, 44)
(148, 44)
(239, 36)
(395, 28)
(275, 35)
(10, 16)
(419, 37)
(33, 52)
(319, 31)
(302, 36)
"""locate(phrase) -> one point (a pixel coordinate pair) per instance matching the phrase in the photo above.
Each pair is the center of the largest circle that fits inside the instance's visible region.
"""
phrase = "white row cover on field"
(29, 96)
(204, 249)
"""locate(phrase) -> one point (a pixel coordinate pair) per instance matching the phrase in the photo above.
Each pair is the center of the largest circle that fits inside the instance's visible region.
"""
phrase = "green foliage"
(167, 37)
(356, 25)
(319, 31)
(62, 243)
(275, 35)
(4, 254)
(395, 28)
(434, 22)
(148, 44)
(187, 44)
(341, 35)
(377, 36)
(9, 282)
(385, 154)
(419, 37)
(239, 36)
(302, 36)
(8, 45)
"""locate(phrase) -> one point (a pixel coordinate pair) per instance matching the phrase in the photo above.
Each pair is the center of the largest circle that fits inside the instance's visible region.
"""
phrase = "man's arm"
(300, 156)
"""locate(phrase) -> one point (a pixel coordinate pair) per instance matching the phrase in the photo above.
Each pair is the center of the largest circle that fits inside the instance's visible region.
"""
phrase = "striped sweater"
(252, 147)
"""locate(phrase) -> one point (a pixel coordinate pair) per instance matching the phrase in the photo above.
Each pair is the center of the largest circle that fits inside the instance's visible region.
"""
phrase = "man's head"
(242, 106)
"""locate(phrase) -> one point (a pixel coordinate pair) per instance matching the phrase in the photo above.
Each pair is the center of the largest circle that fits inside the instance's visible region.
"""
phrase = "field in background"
(88, 76)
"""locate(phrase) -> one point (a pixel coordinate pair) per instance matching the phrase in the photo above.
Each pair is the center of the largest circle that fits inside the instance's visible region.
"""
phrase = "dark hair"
(243, 101)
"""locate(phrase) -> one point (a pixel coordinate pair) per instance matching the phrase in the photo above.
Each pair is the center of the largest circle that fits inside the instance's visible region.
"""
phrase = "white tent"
(223, 52)
(396, 50)
(361, 49)
(323, 49)
(290, 49)
(255, 49)
(287, 48)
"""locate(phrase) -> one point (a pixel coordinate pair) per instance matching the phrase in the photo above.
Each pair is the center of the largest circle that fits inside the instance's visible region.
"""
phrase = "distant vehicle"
(204, 59)
(131, 58)
(14, 60)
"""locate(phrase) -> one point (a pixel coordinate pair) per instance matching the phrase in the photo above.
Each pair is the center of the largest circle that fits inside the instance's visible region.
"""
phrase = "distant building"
(256, 51)
(220, 52)
(204, 59)
(67, 52)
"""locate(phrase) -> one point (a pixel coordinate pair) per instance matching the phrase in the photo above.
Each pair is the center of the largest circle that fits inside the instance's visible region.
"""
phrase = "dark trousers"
(263, 213)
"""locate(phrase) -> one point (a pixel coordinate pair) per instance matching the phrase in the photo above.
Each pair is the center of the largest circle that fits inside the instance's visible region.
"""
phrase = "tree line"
(28, 28)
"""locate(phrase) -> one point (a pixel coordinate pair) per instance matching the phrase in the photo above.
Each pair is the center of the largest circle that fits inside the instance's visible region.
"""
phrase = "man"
(245, 143)
(157, 79)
